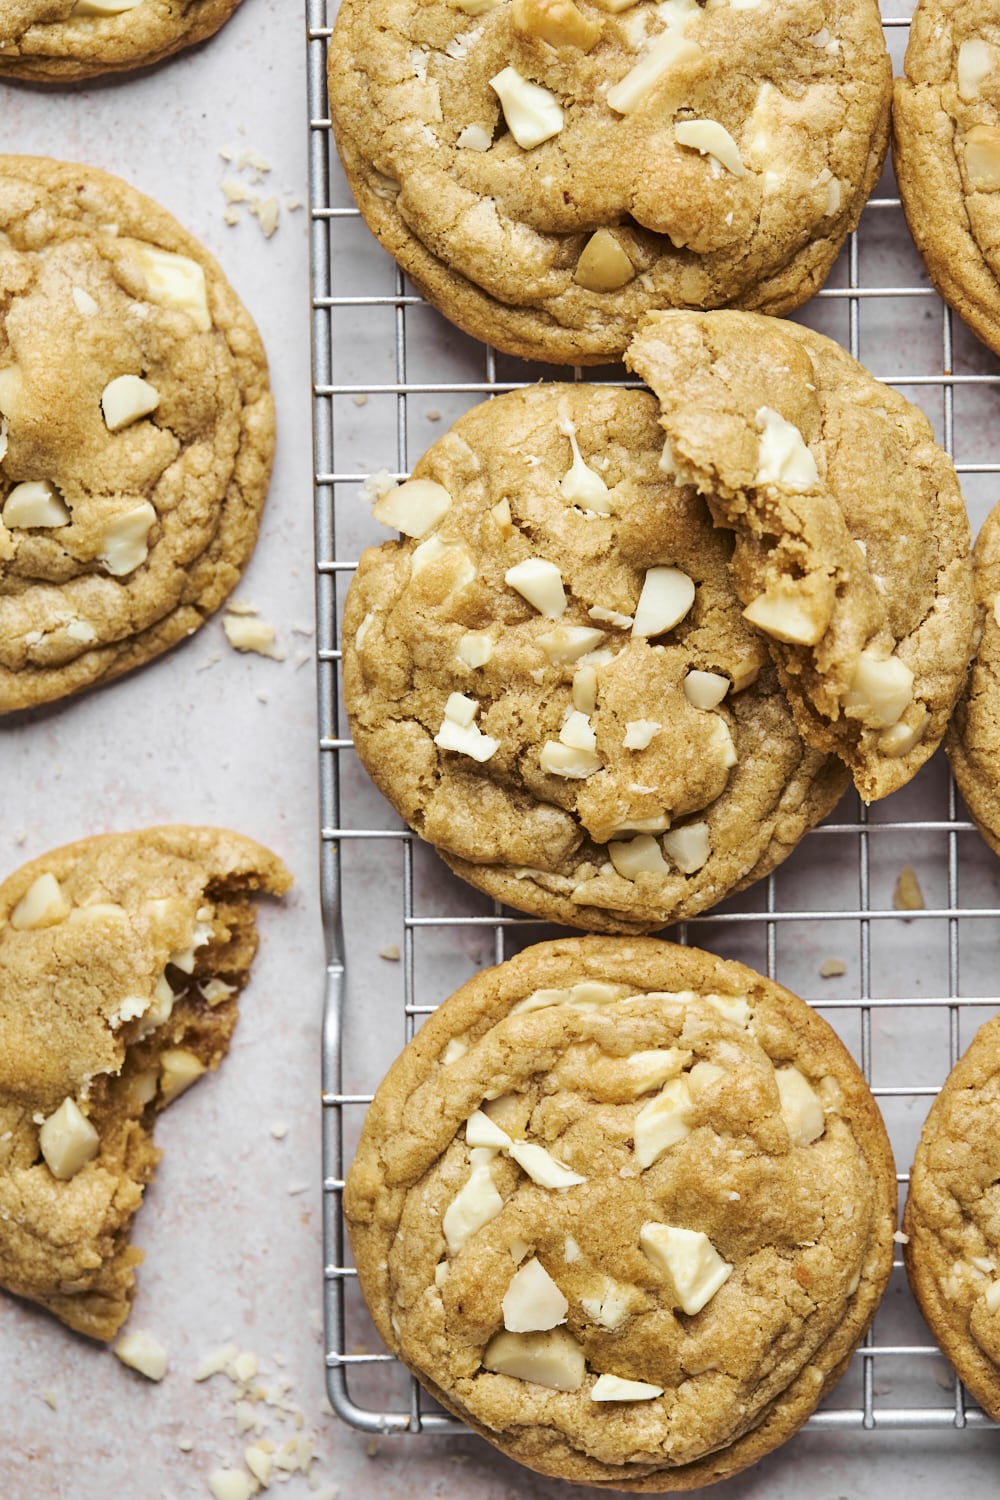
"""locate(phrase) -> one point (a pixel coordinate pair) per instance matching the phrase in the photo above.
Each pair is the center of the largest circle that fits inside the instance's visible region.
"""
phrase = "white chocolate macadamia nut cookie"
(550, 678)
(625, 1208)
(56, 41)
(136, 431)
(852, 553)
(547, 170)
(121, 962)
(973, 738)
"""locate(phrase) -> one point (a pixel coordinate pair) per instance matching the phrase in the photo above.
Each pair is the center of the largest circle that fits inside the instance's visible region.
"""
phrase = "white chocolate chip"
(127, 398)
(568, 761)
(688, 846)
(540, 583)
(473, 1206)
(83, 302)
(688, 1260)
(68, 1141)
(455, 1049)
(702, 1076)
(881, 690)
(723, 742)
(733, 1008)
(585, 689)
(801, 1109)
(783, 458)
(638, 856)
(460, 709)
(35, 502)
(175, 281)
(414, 507)
(140, 1351)
(103, 8)
(667, 595)
(580, 485)
(609, 616)
(711, 139)
(982, 158)
(42, 905)
(465, 739)
(179, 1069)
(124, 544)
(475, 649)
(532, 1302)
(604, 265)
(976, 61)
(585, 995)
(553, 1358)
(662, 1122)
(639, 733)
(900, 739)
(480, 1130)
(542, 1167)
(667, 52)
(614, 1388)
(533, 114)
(705, 689)
(578, 732)
(474, 138)
(567, 643)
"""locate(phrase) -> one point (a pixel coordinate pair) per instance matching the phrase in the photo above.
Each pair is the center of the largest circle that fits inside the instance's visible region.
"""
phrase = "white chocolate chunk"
(568, 761)
(518, 1249)
(480, 1130)
(124, 544)
(474, 138)
(35, 502)
(783, 459)
(140, 1351)
(688, 1260)
(455, 1049)
(533, 114)
(655, 823)
(542, 1167)
(42, 905)
(702, 1076)
(580, 485)
(532, 1302)
(175, 281)
(414, 507)
(83, 302)
(258, 1460)
(639, 856)
(179, 1069)
(466, 739)
(654, 1066)
(230, 1484)
(688, 846)
(711, 139)
(82, 631)
(460, 709)
(247, 633)
(982, 158)
(900, 739)
(662, 1122)
(473, 1206)
(614, 1388)
(881, 690)
(540, 583)
(476, 7)
(667, 595)
(98, 911)
(668, 51)
(639, 733)
(992, 1297)
(127, 398)
(567, 643)
(571, 1250)
(604, 265)
(784, 613)
(578, 732)
(722, 741)
(552, 1358)
(68, 1141)
(976, 61)
(585, 689)
(705, 689)
(475, 649)
(734, 1008)
(585, 995)
(440, 1273)
(501, 515)
(103, 8)
(801, 1109)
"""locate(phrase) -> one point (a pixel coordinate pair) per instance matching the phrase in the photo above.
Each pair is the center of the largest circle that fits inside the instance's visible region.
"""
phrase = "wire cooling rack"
(402, 932)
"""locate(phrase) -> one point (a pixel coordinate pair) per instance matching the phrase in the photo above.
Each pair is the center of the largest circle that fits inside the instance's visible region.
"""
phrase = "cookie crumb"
(235, 192)
(185, 1444)
(49, 1397)
(908, 896)
(142, 1352)
(372, 1448)
(292, 204)
(360, 398)
(279, 1130)
(377, 485)
(241, 607)
(225, 153)
(230, 1484)
(245, 633)
(297, 1187)
(267, 216)
(832, 968)
(262, 696)
(20, 837)
(433, 415)
(391, 952)
(231, 217)
(901, 1238)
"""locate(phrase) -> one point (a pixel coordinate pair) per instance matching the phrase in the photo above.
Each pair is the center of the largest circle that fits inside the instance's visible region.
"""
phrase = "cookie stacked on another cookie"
(546, 171)
(625, 1208)
(57, 41)
(136, 431)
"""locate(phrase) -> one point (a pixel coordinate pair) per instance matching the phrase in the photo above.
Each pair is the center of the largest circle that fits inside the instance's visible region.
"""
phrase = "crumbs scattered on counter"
(832, 968)
(247, 632)
(240, 191)
(908, 896)
(279, 1130)
(433, 415)
(143, 1353)
(360, 399)
(391, 951)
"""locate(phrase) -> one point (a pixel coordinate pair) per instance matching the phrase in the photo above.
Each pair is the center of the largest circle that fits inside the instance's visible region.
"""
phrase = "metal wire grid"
(752, 927)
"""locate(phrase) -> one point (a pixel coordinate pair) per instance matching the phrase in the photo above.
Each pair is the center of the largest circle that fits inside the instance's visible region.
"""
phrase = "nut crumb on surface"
(49, 1397)
(901, 1238)
(360, 398)
(433, 415)
(908, 895)
(279, 1130)
(143, 1353)
(391, 952)
(247, 633)
(832, 968)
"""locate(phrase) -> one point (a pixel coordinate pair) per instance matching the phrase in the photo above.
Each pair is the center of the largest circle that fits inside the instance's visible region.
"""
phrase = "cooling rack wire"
(386, 371)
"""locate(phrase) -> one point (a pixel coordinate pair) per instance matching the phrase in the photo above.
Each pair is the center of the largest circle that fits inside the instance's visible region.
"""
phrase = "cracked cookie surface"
(121, 962)
(973, 739)
(633, 1160)
(946, 150)
(550, 678)
(952, 1218)
(136, 430)
(852, 550)
(57, 41)
(643, 155)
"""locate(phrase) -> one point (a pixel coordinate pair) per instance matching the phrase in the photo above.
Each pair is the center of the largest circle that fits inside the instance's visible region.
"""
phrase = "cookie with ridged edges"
(122, 958)
(625, 1208)
(551, 680)
(545, 171)
(136, 430)
(57, 41)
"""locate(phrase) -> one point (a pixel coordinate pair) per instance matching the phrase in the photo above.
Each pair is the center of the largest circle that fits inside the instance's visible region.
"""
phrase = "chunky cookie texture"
(852, 554)
(136, 431)
(946, 149)
(626, 1208)
(121, 961)
(58, 40)
(973, 739)
(951, 1218)
(545, 171)
(550, 678)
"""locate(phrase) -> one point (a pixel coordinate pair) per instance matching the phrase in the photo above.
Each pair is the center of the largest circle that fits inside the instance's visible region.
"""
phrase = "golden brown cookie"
(121, 962)
(550, 678)
(946, 150)
(546, 171)
(852, 551)
(952, 1218)
(625, 1208)
(56, 41)
(136, 431)
(973, 740)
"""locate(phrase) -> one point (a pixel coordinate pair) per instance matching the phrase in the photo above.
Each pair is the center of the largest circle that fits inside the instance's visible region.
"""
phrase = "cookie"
(56, 41)
(852, 552)
(626, 1208)
(946, 150)
(136, 431)
(951, 1218)
(121, 961)
(546, 171)
(550, 678)
(973, 739)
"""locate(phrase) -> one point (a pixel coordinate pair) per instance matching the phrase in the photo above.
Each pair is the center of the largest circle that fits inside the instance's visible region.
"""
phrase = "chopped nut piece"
(569, 761)
(881, 690)
(230, 1484)
(614, 1388)
(127, 398)
(688, 847)
(578, 732)
(532, 1302)
(690, 1262)
(832, 968)
(567, 643)
(35, 502)
(140, 1351)
(414, 507)
(470, 138)
(179, 1069)
(124, 545)
(390, 952)
(640, 733)
(638, 856)
(248, 634)
(540, 583)
(258, 1461)
(705, 689)
(667, 595)
(175, 281)
(667, 52)
(907, 895)
(783, 458)
(557, 22)
(790, 612)
(68, 1141)
(533, 114)
(711, 139)
(604, 265)
(552, 1358)
(610, 617)
(42, 905)
(976, 61)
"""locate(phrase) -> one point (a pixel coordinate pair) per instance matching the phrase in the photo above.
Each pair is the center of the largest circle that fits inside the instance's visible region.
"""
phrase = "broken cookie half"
(121, 961)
